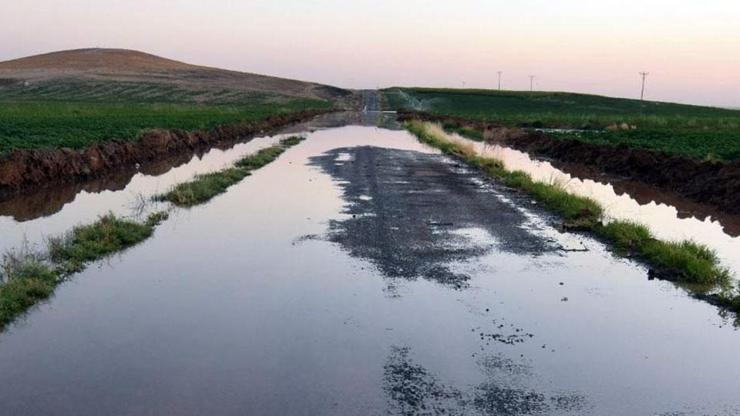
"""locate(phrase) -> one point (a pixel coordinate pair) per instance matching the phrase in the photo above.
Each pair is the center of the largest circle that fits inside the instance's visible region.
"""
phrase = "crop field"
(75, 115)
(694, 131)
(86, 91)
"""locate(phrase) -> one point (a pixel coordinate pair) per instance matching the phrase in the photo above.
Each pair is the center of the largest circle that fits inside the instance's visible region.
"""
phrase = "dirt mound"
(713, 183)
(28, 170)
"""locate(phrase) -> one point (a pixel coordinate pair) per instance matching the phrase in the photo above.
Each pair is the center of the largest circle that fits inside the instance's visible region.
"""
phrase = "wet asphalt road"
(414, 214)
(371, 101)
(417, 215)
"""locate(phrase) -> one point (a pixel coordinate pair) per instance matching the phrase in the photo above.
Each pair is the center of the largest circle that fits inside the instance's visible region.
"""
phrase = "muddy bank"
(45, 201)
(25, 171)
(713, 183)
(644, 194)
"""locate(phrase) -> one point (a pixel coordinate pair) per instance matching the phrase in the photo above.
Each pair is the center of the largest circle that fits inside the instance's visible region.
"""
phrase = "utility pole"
(642, 91)
(531, 83)
(499, 80)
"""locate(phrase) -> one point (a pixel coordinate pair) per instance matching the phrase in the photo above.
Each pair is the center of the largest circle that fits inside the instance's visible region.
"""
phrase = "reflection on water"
(35, 216)
(646, 194)
(229, 309)
(46, 202)
(664, 220)
(82, 203)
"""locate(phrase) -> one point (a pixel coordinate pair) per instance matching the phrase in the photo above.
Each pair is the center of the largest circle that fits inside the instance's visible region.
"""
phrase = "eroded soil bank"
(709, 182)
(28, 170)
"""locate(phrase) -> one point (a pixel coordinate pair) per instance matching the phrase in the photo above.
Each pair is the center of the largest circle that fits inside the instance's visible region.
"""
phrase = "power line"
(642, 91)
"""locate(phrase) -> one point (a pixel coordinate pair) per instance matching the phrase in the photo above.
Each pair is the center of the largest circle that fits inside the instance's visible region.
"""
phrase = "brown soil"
(713, 183)
(46, 201)
(645, 193)
(25, 171)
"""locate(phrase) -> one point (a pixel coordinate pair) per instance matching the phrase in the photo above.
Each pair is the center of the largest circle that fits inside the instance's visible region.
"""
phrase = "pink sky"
(690, 48)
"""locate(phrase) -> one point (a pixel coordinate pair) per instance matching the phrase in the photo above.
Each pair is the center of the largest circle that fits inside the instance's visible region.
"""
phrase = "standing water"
(665, 221)
(363, 273)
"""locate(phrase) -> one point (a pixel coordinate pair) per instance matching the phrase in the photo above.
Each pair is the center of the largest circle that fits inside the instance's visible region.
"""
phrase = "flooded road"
(361, 273)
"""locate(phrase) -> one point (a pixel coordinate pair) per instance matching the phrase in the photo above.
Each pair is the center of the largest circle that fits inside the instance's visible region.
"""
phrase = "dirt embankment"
(49, 200)
(714, 183)
(28, 170)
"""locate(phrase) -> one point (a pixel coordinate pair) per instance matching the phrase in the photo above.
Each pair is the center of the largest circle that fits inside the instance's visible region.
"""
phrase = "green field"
(125, 92)
(75, 115)
(694, 131)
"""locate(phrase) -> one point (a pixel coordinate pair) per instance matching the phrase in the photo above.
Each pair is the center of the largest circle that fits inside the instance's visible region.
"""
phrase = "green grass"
(205, 187)
(689, 262)
(71, 116)
(693, 131)
(106, 236)
(579, 212)
(685, 261)
(467, 132)
(17, 295)
(266, 155)
(29, 277)
(626, 238)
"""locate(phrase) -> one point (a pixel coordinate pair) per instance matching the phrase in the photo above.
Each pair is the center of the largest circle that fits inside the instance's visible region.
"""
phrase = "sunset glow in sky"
(691, 48)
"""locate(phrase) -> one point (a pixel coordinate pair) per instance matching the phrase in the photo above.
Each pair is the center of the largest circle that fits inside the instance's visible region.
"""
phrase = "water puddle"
(63, 208)
(361, 273)
(623, 200)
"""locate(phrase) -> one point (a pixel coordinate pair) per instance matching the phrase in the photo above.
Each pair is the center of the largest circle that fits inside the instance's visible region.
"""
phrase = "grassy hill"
(108, 71)
(695, 131)
(75, 98)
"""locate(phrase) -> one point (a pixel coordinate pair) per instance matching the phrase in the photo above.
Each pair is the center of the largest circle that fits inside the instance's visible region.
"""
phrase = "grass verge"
(92, 242)
(467, 132)
(206, 186)
(29, 277)
(695, 266)
(682, 261)
(578, 212)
